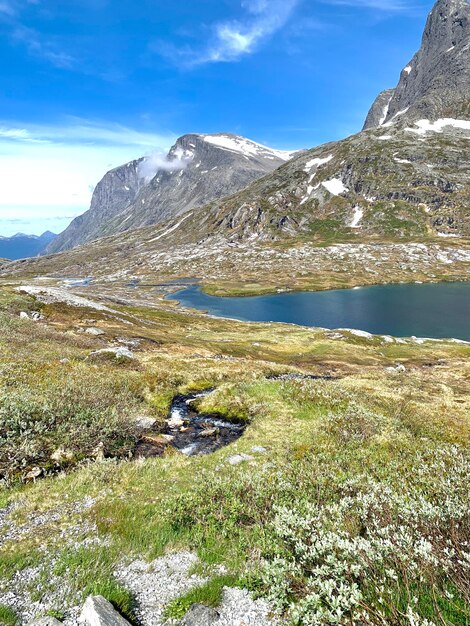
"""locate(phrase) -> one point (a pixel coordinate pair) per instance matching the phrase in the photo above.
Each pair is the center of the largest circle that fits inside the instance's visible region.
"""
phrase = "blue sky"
(89, 84)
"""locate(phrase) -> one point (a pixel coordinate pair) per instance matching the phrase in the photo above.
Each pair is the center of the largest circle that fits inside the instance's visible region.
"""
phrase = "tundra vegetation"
(350, 506)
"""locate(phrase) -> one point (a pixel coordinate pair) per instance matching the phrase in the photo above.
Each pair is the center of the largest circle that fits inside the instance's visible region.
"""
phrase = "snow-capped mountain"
(404, 179)
(21, 246)
(199, 168)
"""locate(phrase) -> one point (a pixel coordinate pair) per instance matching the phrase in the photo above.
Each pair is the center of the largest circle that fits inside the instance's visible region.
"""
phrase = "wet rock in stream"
(190, 432)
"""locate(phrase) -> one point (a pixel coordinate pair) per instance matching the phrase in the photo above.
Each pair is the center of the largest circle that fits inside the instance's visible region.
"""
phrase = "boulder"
(200, 615)
(118, 353)
(145, 422)
(97, 611)
(92, 330)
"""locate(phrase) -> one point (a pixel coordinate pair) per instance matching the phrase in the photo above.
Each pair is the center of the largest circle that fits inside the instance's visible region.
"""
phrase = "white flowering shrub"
(345, 561)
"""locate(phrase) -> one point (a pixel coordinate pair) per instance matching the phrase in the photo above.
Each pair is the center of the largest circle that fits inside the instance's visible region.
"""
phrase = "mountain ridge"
(20, 245)
(197, 169)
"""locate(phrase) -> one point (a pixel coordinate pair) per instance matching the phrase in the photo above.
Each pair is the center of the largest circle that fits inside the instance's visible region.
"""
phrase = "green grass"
(332, 447)
(209, 594)
(7, 616)
(76, 564)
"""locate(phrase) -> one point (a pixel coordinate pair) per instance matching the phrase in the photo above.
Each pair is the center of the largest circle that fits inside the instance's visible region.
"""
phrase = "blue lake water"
(432, 310)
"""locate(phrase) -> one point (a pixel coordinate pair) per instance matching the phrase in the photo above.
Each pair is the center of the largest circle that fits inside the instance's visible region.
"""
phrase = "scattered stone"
(24, 315)
(92, 330)
(64, 361)
(155, 584)
(97, 611)
(60, 455)
(209, 432)
(34, 473)
(259, 450)
(358, 333)
(145, 422)
(200, 615)
(238, 607)
(119, 353)
(158, 439)
(396, 368)
(236, 459)
(45, 621)
(98, 452)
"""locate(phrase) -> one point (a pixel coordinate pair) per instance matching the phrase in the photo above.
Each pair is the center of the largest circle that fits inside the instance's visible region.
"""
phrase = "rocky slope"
(197, 169)
(435, 83)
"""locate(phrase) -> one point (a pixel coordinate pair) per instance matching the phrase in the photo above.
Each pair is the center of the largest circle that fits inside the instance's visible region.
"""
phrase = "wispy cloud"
(232, 39)
(79, 131)
(62, 164)
(39, 46)
(379, 5)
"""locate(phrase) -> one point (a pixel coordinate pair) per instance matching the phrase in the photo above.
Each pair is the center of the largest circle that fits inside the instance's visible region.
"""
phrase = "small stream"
(190, 432)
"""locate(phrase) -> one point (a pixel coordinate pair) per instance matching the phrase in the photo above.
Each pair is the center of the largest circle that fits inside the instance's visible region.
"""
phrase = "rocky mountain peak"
(198, 168)
(435, 83)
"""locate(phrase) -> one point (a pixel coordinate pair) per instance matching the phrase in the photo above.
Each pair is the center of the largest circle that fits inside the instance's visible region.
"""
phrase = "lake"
(436, 310)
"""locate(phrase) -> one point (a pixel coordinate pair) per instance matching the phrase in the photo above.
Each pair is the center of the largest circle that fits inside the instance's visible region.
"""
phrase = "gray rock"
(94, 331)
(45, 621)
(200, 615)
(145, 422)
(259, 450)
(119, 353)
(97, 611)
(379, 110)
(24, 315)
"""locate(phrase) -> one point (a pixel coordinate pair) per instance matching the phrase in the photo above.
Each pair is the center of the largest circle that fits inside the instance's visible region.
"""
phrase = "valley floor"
(345, 500)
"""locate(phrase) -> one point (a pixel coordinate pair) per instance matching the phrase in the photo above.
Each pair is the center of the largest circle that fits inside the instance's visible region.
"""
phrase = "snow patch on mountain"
(385, 111)
(317, 162)
(246, 147)
(357, 217)
(425, 126)
(335, 186)
(171, 229)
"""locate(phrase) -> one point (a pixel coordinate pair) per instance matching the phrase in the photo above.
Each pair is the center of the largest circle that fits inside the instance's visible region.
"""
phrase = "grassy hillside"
(351, 506)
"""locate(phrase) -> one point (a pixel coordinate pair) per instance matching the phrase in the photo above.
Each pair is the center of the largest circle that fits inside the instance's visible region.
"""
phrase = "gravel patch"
(157, 583)
(239, 609)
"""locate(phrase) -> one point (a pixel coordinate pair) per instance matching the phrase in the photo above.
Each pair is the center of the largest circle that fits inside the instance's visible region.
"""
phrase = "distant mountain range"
(21, 246)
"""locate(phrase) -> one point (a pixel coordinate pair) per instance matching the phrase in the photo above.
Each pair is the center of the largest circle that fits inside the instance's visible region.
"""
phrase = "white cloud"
(239, 37)
(233, 39)
(47, 173)
(380, 5)
(159, 162)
